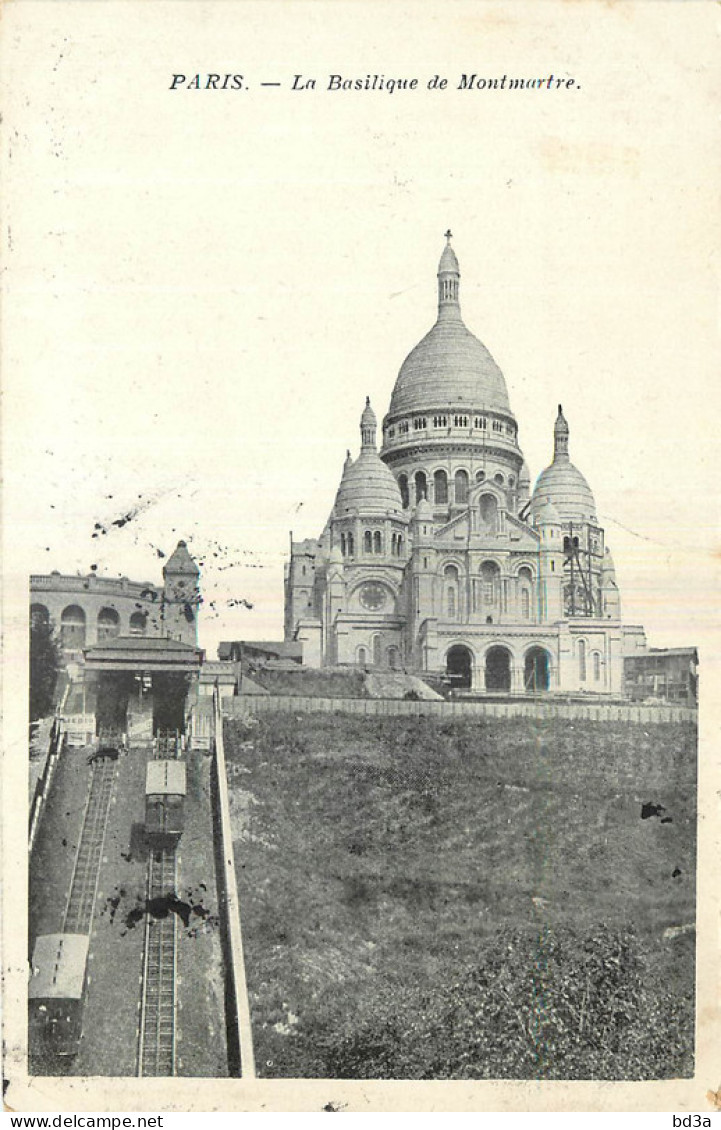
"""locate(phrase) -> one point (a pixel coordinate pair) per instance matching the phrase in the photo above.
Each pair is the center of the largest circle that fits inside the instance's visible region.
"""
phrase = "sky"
(202, 286)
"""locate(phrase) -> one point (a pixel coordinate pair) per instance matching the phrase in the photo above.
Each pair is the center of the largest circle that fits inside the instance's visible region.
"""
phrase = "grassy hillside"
(472, 899)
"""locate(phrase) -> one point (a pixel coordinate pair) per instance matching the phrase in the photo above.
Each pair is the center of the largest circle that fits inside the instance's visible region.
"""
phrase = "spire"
(560, 437)
(448, 283)
(368, 427)
(180, 562)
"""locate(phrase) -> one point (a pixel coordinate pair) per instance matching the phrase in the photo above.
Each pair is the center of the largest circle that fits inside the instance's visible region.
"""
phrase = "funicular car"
(56, 991)
(165, 789)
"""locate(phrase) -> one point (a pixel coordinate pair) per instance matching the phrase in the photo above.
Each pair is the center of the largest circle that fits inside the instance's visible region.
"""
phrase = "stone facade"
(88, 610)
(438, 557)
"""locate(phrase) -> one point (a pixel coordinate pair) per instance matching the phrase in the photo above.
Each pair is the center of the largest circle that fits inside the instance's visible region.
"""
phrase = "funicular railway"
(142, 695)
(59, 961)
(164, 817)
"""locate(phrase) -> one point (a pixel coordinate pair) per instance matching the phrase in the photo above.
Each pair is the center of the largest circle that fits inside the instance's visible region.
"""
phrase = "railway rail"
(86, 868)
(156, 1038)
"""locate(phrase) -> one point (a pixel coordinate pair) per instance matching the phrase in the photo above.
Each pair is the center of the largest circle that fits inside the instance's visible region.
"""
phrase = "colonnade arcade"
(498, 667)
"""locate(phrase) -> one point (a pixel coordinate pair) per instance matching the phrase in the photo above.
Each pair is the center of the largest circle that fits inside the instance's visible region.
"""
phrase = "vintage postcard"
(361, 556)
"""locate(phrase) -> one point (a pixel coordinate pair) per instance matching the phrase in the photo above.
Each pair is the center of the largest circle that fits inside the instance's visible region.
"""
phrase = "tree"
(45, 663)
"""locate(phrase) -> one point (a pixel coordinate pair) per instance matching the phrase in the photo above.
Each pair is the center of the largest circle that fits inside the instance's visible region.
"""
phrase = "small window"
(349, 543)
(367, 542)
(377, 542)
(362, 656)
(480, 476)
(497, 426)
(480, 422)
(596, 666)
(498, 478)
(582, 660)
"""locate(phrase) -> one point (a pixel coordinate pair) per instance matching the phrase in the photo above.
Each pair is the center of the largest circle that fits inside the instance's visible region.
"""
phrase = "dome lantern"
(449, 277)
(368, 426)
(560, 436)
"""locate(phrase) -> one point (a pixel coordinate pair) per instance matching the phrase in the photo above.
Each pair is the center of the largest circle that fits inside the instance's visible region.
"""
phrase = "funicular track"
(86, 869)
(156, 1043)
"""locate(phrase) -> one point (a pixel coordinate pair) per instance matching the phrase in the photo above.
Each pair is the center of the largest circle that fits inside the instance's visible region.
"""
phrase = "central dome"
(450, 367)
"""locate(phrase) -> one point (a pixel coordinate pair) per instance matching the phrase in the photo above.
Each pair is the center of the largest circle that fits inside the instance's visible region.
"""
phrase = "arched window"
(108, 624)
(490, 575)
(349, 543)
(461, 486)
(525, 581)
(596, 666)
(376, 651)
(342, 544)
(498, 478)
(480, 476)
(377, 542)
(367, 542)
(138, 623)
(393, 658)
(489, 513)
(400, 545)
(362, 656)
(582, 660)
(421, 486)
(440, 487)
(72, 627)
(450, 575)
(403, 487)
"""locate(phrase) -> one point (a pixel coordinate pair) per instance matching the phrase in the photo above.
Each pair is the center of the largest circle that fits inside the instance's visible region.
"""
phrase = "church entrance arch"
(498, 669)
(459, 666)
(537, 670)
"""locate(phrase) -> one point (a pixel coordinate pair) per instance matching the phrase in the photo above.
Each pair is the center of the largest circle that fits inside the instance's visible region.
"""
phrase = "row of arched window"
(372, 543)
(457, 420)
(486, 592)
(375, 655)
(73, 624)
(439, 485)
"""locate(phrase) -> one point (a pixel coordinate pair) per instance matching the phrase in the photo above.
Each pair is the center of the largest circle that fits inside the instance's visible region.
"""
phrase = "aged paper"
(221, 229)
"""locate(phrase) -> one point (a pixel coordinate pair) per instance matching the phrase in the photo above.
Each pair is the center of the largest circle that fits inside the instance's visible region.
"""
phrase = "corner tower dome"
(562, 484)
(449, 368)
(368, 486)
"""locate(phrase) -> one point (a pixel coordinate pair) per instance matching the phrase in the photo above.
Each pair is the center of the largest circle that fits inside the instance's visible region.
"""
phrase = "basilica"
(438, 556)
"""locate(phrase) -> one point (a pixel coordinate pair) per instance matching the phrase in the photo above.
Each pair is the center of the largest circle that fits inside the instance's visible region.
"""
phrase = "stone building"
(438, 557)
(88, 610)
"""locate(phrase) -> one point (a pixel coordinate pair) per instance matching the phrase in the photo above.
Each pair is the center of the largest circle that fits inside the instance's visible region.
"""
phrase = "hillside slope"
(469, 899)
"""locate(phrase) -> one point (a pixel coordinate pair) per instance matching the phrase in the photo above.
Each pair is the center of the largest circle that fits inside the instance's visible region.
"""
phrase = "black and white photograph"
(361, 556)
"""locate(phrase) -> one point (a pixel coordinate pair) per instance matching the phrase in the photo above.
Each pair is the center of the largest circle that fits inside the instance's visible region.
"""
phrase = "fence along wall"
(599, 712)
